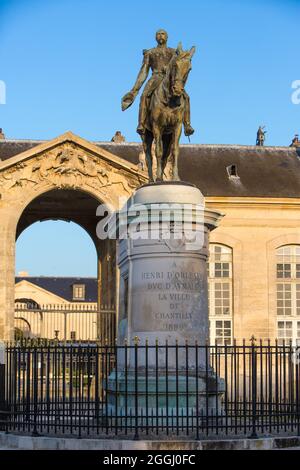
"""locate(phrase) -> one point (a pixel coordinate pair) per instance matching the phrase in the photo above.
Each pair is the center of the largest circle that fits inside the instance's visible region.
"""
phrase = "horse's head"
(180, 68)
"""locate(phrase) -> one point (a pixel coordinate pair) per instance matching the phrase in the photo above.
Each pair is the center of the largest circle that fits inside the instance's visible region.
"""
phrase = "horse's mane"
(175, 57)
(166, 80)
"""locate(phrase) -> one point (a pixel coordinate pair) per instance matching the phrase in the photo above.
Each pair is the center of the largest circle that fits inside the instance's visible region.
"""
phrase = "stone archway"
(73, 205)
(51, 172)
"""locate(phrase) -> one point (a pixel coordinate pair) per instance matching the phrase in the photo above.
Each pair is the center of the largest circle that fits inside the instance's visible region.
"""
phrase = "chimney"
(23, 274)
(2, 136)
(118, 138)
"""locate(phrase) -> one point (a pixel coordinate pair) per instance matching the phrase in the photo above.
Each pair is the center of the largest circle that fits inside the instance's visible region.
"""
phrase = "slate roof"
(262, 171)
(10, 148)
(62, 286)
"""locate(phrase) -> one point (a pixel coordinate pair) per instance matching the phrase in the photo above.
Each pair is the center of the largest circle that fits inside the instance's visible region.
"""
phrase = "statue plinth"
(163, 296)
(165, 276)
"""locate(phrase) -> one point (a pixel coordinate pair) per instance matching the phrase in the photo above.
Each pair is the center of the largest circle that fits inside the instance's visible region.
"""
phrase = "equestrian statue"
(164, 104)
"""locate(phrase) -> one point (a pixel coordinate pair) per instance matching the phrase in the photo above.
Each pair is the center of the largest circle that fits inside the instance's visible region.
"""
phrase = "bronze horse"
(165, 115)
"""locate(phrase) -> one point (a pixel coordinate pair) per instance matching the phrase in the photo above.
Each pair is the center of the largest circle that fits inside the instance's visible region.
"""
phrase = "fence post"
(2, 387)
(254, 386)
(136, 397)
(297, 396)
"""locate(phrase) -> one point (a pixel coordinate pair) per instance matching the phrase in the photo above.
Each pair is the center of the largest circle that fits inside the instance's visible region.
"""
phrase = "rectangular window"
(220, 287)
(221, 269)
(288, 292)
(223, 332)
(288, 331)
(78, 292)
(297, 299)
(284, 271)
(284, 299)
(285, 331)
(222, 298)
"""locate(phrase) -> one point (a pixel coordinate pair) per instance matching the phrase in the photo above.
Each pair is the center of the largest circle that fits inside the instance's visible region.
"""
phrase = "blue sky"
(66, 65)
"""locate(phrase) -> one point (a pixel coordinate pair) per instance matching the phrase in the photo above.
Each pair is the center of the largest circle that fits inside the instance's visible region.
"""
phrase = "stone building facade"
(255, 252)
(65, 308)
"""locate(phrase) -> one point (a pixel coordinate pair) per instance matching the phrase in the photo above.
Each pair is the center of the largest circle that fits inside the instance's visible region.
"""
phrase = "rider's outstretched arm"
(143, 73)
(129, 98)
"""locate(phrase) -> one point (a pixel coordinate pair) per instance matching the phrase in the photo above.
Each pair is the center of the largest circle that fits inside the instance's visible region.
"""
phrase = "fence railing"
(66, 322)
(146, 390)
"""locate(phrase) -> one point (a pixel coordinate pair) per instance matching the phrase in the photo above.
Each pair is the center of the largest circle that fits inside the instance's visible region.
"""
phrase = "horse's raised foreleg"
(158, 152)
(175, 151)
(147, 145)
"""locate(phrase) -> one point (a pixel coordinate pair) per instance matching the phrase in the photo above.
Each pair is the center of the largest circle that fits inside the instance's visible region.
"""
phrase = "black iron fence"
(186, 391)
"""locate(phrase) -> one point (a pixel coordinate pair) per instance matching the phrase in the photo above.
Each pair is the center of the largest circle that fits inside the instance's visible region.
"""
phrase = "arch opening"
(62, 204)
(71, 307)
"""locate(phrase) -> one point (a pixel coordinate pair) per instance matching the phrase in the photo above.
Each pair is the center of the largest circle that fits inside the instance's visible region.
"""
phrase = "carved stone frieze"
(66, 166)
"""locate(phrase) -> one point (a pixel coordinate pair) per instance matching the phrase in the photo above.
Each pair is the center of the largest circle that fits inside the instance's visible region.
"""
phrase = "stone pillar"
(163, 290)
(106, 250)
(2, 384)
(7, 281)
(99, 288)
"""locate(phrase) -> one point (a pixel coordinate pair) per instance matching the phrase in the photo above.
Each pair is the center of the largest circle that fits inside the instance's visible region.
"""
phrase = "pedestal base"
(164, 401)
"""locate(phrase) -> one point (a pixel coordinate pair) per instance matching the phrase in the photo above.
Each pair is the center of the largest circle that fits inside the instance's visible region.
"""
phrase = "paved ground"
(7, 448)
(288, 448)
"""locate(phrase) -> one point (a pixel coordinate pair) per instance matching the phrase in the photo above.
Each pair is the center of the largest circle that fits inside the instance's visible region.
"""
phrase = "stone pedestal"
(163, 300)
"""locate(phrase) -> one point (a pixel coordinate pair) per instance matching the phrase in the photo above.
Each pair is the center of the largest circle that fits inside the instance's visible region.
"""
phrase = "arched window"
(220, 293)
(288, 293)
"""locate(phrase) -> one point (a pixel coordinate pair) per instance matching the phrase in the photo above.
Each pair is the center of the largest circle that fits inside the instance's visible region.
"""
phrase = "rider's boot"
(140, 129)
